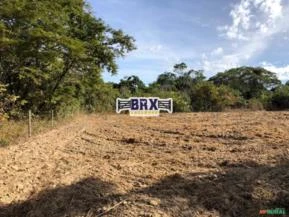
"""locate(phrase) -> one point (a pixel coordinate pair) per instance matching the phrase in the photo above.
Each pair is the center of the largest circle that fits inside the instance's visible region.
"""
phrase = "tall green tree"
(50, 49)
(249, 81)
(133, 83)
(189, 79)
(182, 78)
(166, 81)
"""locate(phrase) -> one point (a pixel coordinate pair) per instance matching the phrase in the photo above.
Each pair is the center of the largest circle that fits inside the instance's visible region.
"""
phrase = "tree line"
(53, 56)
(238, 88)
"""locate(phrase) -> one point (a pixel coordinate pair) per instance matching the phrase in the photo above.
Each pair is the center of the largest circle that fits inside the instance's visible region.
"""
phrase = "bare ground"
(198, 164)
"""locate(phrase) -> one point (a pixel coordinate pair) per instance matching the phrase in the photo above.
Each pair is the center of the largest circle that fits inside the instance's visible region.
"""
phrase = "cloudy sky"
(212, 35)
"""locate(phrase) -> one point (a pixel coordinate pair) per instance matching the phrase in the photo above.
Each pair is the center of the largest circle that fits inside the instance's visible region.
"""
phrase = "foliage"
(255, 104)
(249, 81)
(166, 81)
(181, 103)
(180, 79)
(49, 51)
(280, 98)
(244, 87)
(103, 99)
(7, 103)
(133, 83)
(206, 96)
(53, 56)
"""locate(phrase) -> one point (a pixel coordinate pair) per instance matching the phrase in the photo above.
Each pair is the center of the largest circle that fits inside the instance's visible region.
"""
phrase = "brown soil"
(198, 164)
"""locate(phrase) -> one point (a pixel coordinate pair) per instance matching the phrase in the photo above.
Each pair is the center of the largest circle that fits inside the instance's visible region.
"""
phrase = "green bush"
(66, 102)
(280, 98)
(8, 105)
(104, 99)
(181, 102)
(206, 96)
(255, 104)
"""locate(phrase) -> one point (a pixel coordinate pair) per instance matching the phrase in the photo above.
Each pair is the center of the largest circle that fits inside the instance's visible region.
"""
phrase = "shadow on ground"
(240, 190)
(80, 199)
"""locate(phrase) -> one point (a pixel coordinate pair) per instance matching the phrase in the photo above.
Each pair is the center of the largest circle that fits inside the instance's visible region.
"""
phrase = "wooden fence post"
(52, 118)
(29, 123)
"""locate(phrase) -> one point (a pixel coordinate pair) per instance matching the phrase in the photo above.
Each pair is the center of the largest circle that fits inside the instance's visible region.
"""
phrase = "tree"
(249, 81)
(48, 51)
(280, 98)
(181, 103)
(132, 83)
(167, 81)
(180, 68)
(206, 96)
(188, 79)
(182, 79)
(7, 103)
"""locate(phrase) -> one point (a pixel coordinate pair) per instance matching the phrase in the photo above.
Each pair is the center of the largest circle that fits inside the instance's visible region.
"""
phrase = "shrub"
(280, 98)
(7, 103)
(181, 102)
(255, 104)
(104, 99)
(206, 96)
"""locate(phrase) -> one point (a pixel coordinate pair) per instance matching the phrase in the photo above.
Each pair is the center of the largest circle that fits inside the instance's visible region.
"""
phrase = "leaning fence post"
(52, 118)
(29, 123)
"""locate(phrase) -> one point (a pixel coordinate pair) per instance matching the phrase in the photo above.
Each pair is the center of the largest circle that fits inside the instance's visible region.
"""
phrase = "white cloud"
(253, 16)
(272, 7)
(218, 51)
(155, 51)
(241, 15)
(282, 72)
(165, 54)
(212, 64)
(155, 48)
(254, 24)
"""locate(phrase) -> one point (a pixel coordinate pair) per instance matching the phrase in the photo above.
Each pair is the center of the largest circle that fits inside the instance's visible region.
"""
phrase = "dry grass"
(15, 132)
(11, 131)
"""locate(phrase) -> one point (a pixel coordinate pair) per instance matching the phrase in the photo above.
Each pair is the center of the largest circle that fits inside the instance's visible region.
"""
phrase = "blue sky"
(213, 35)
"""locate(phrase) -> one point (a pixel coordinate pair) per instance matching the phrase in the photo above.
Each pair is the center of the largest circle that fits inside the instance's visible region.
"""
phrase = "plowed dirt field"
(197, 164)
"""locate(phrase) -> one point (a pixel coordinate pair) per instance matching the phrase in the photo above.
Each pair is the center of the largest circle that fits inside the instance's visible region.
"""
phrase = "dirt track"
(199, 164)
